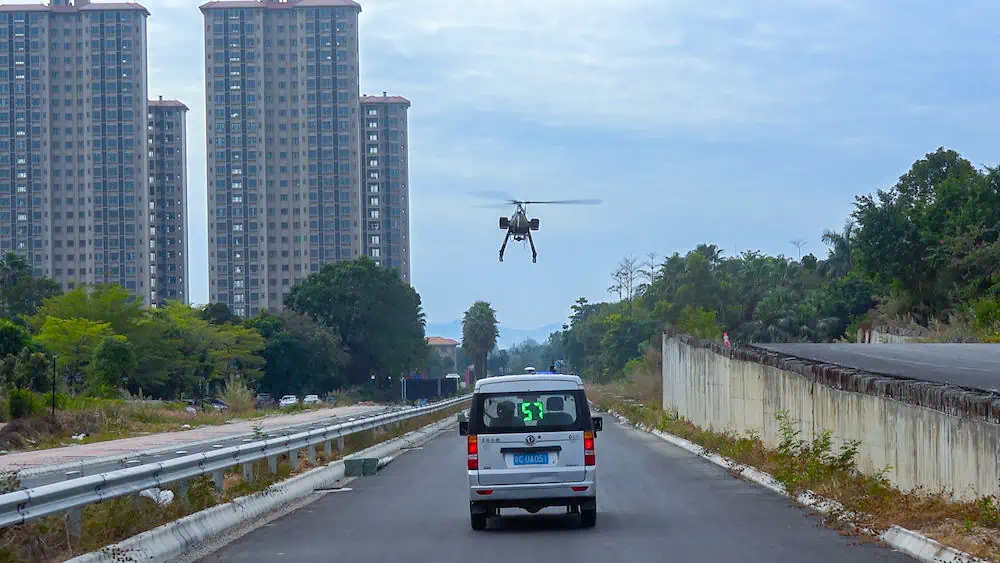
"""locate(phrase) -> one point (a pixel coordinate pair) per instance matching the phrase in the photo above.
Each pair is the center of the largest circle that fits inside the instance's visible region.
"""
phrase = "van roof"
(514, 382)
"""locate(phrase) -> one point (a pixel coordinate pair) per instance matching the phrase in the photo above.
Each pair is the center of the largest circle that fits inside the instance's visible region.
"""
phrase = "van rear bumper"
(583, 493)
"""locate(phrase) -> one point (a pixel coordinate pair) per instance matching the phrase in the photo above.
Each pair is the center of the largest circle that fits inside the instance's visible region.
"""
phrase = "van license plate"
(541, 458)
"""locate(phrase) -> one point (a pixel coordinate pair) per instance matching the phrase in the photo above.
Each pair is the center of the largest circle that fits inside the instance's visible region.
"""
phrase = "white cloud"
(640, 64)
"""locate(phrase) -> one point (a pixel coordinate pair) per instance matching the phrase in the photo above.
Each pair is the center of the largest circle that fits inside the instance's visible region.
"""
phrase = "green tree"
(74, 340)
(479, 334)
(218, 314)
(237, 350)
(114, 366)
(379, 317)
(915, 237)
(301, 356)
(20, 292)
(32, 370)
(13, 338)
(148, 330)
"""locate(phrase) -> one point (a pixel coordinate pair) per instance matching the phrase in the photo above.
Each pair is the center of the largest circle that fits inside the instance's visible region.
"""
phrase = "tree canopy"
(379, 318)
(479, 334)
(103, 342)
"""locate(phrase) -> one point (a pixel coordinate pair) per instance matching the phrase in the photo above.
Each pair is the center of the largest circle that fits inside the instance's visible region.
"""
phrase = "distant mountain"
(509, 336)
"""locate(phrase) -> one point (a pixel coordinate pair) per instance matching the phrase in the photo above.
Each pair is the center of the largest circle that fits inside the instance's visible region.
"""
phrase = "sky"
(743, 124)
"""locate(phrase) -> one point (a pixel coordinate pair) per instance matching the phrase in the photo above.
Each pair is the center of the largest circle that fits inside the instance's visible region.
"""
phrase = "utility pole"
(54, 357)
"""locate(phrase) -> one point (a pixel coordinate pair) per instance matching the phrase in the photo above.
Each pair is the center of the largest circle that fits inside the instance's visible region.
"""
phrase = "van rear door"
(531, 437)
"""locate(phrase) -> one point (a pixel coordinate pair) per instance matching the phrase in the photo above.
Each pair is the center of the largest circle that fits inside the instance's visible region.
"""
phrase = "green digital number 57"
(529, 414)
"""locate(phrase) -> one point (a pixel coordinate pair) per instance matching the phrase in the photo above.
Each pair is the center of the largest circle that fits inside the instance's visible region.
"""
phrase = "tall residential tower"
(73, 168)
(386, 205)
(168, 252)
(284, 173)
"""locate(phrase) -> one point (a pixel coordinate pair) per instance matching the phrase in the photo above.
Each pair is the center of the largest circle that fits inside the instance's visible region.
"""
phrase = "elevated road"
(656, 503)
(968, 365)
(99, 457)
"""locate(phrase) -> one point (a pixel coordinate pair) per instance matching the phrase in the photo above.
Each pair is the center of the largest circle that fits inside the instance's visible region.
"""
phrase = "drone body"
(519, 226)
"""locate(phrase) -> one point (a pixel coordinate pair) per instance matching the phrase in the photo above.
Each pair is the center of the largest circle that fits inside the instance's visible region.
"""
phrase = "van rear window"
(547, 411)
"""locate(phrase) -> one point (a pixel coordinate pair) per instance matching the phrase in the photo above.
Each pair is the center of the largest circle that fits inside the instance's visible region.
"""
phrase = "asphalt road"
(222, 442)
(968, 365)
(656, 503)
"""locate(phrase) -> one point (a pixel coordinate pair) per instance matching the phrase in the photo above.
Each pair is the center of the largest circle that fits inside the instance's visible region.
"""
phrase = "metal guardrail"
(70, 496)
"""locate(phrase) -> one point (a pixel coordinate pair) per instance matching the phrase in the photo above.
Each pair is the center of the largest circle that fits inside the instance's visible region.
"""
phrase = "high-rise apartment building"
(168, 252)
(385, 203)
(73, 168)
(284, 173)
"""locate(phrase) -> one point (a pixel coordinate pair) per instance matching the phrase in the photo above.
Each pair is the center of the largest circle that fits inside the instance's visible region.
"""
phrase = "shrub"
(987, 319)
(238, 395)
(21, 403)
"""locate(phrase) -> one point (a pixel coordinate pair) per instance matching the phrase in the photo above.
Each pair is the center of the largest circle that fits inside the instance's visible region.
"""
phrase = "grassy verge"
(973, 527)
(46, 540)
(106, 419)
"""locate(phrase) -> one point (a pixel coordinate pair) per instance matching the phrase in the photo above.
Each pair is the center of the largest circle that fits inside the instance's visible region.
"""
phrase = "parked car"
(217, 404)
(311, 400)
(263, 400)
(288, 401)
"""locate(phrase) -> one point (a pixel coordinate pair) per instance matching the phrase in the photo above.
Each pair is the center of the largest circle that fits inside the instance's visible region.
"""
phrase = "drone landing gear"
(504, 245)
(534, 255)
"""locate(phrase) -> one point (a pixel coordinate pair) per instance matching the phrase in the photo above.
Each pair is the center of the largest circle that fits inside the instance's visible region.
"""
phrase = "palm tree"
(839, 260)
(479, 334)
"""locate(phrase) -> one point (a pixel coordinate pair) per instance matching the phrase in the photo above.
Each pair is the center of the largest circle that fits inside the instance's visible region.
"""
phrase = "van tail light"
(589, 459)
(473, 453)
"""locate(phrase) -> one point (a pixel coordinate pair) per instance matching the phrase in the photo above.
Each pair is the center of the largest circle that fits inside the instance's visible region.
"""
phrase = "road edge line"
(911, 543)
(174, 539)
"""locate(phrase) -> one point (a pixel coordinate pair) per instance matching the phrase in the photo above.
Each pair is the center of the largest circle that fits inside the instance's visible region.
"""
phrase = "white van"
(531, 446)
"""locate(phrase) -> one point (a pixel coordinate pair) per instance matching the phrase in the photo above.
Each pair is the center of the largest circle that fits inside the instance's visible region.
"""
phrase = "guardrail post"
(272, 463)
(328, 449)
(74, 522)
(248, 471)
(293, 459)
(182, 489)
(311, 454)
(218, 477)
(340, 444)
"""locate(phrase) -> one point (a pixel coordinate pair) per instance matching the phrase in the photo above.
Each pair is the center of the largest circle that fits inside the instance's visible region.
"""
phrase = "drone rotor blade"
(494, 206)
(495, 194)
(566, 202)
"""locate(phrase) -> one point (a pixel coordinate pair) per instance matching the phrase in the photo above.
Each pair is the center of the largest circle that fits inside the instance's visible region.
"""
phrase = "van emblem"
(530, 439)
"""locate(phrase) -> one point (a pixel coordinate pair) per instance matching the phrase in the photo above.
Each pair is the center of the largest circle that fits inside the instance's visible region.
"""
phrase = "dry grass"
(971, 526)
(238, 396)
(46, 540)
(102, 421)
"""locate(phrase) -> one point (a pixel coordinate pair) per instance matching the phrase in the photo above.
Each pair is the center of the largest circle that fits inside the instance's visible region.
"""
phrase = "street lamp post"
(54, 357)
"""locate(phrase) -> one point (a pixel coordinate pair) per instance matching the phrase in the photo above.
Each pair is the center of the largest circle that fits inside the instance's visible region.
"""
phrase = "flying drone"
(519, 226)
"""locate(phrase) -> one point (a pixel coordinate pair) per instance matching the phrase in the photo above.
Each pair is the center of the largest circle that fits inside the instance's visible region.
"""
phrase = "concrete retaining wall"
(888, 335)
(935, 436)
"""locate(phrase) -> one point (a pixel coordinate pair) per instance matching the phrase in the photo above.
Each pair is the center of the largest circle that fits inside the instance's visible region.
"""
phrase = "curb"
(911, 543)
(170, 541)
(122, 458)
